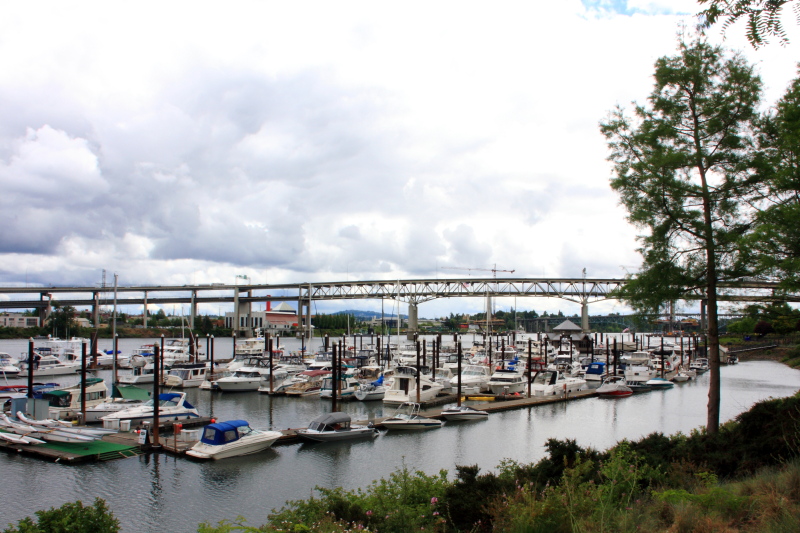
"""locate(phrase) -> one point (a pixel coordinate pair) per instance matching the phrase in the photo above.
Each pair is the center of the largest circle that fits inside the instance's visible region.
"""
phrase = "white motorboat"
(47, 434)
(374, 390)
(247, 377)
(61, 425)
(20, 439)
(476, 376)
(614, 387)
(65, 402)
(404, 387)
(142, 372)
(277, 381)
(186, 375)
(335, 427)
(553, 382)
(699, 365)
(346, 388)
(122, 397)
(48, 365)
(681, 377)
(506, 381)
(8, 366)
(172, 406)
(231, 439)
(408, 417)
(464, 412)
(145, 351)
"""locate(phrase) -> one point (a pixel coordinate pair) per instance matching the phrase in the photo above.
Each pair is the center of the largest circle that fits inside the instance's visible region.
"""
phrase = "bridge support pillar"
(413, 320)
(193, 310)
(44, 312)
(144, 311)
(96, 309)
(585, 316)
(241, 308)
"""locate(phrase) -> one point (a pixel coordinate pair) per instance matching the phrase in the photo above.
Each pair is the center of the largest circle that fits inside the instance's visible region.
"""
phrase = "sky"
(180, 143)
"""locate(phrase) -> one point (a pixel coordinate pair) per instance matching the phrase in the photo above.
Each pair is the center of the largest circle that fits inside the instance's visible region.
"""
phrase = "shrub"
(70, 518)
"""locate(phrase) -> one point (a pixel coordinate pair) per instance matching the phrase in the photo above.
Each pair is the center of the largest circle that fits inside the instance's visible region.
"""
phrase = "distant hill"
(367, 315)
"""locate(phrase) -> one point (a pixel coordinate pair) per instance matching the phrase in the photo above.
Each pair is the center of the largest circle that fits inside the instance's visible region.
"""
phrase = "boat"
(122, 397)
(345, 389)
(8, 366)
(62, 425)
(277, 381)
(507, 381)
(172, 406)
(596, 371)
(9, 391)
(404, 387)
(408, 417)
(699, 365)
(374, 390)
(464, 412)
(186, 375)
(614, 387)
(335, 427)
(681, 377)
(65, 402)
(660, 383)
(46, 434)
(637, 376)
(476, 376)
(307, 383)
(553, 382)
(20, 439)
(48, 365)
(233, 438)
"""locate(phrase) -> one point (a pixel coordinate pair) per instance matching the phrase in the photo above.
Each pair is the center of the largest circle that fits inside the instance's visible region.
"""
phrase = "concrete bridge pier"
(585, 316)
(241, 309)
(193, 310)
(144, 312)
(44, 312)
(96, 309)
(413, 320)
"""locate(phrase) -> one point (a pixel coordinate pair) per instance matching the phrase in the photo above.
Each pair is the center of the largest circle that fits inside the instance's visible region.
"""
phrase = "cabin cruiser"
(476, 376)
(276, 382)
(335, 427)
(508, 381)
(346, 387)
(463, 412)
(553, 382)
(172, 406)
(145, 351)
(65, 402)
(404, 387)
(142, 372)
(48, 365)
(8, 366)
(178, 351)
(699, 365)
(221, 440)
(246, 377)
(375, 390)
(637, 376)
(408, 417)
(186, 375)
(596, 371)
(122, 397)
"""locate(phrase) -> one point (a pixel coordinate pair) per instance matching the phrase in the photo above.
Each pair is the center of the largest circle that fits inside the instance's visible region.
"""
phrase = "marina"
(155, 491)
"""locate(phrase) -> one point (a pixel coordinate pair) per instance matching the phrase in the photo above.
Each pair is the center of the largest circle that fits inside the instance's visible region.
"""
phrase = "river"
(164, 493)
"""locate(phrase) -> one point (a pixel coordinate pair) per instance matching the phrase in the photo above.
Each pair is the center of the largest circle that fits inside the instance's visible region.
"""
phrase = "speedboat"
(476, 376)
(230, 439)
(345, 390)
(699, 365)
(660, 383)
(614, 387)
(172, 406)
(408, 417)
(307, 383)
(464, 412)
(681, 377)
(122, 397)
(334, 427)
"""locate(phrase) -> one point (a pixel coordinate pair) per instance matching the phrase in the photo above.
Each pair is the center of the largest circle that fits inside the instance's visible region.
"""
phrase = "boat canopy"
(330, 422)
(222, 432)
(130, 392)
(173, 397)
(596, 368)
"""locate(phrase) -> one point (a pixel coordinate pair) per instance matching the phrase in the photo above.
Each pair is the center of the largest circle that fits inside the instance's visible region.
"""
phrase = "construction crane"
(494, 270)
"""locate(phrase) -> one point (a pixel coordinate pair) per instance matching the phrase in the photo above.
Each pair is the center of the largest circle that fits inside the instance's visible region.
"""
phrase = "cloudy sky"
(191, 142)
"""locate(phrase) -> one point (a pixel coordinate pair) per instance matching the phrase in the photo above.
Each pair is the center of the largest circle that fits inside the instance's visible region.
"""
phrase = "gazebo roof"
(567, 326)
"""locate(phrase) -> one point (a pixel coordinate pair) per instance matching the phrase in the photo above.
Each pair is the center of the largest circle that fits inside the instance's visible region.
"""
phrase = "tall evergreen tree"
(683, 171)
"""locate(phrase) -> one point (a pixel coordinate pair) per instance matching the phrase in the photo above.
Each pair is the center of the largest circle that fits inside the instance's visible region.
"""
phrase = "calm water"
(164, 493)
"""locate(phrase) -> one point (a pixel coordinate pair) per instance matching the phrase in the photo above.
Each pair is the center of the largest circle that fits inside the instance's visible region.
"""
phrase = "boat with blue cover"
(233, 438)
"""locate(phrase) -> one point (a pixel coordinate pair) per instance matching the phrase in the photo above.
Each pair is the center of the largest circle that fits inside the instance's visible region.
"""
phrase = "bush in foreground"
(70, 518)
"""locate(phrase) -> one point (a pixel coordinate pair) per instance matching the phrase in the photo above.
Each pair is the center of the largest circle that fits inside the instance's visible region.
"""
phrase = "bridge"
(414, 292)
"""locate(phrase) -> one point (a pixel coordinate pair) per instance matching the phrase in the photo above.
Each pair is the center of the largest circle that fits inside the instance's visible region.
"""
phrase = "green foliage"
(62, 320)
(742, 326)
(407, 500)
(70, 518)
(763, 17)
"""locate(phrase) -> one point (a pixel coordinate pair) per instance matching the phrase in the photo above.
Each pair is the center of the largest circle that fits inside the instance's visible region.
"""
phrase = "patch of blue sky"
(605, 8)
